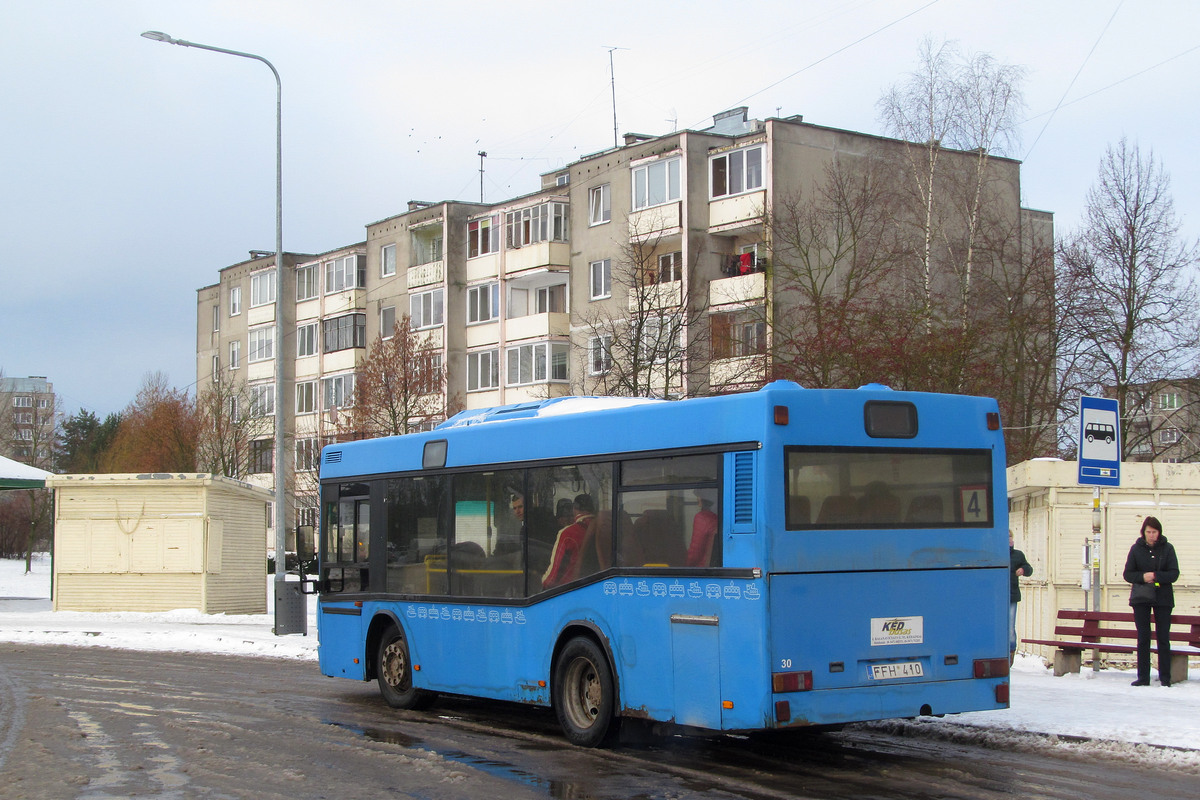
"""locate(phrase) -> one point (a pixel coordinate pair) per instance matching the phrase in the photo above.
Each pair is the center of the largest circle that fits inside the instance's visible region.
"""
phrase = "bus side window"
(838, 509)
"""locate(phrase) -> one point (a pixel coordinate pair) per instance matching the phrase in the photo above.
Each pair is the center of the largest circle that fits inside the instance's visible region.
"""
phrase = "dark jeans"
(1162, 630)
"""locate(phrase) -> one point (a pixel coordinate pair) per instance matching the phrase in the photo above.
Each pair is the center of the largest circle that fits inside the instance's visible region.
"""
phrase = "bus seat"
(799, 510)
(925, 508)
(661, 544)
(838, 509)
(879, 508)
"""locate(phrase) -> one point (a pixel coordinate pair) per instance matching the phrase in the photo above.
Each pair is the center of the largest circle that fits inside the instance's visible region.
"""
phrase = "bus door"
(345, 570)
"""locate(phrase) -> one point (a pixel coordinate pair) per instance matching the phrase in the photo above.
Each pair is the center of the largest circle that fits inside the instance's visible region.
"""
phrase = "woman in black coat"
(1152, 567)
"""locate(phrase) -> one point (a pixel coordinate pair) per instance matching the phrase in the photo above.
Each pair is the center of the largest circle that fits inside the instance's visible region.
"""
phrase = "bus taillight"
(1002, 693)
(791, 682)
(991, 667)
(993, 421)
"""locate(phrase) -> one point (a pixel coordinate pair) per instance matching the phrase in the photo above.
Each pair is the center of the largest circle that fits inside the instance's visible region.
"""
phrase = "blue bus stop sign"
(1099, 442)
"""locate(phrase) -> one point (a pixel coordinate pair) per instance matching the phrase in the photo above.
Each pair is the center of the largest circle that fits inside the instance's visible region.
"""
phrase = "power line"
(1072, 83)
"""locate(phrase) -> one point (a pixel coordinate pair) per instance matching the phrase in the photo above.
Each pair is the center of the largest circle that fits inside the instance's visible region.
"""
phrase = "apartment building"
(644, 269)
(27, 420)
(1162, 421)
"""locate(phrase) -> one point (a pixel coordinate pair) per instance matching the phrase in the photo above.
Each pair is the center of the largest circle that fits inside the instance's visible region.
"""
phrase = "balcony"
(659, 220)
(426, 274)
(657, 296)
(537, 255)
(738, 291)
(538, 326)
(481, 267)
(733, 214)
(742, 371)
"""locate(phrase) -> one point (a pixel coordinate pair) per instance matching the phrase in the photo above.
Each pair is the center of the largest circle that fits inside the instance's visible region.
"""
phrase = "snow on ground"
(1090, 713)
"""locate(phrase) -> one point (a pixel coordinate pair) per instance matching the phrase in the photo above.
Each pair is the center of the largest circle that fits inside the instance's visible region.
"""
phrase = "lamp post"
(281, 623)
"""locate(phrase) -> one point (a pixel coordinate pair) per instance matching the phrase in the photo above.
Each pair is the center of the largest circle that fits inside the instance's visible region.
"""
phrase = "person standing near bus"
(1152, 567)
(567, 555)
(1018, 566)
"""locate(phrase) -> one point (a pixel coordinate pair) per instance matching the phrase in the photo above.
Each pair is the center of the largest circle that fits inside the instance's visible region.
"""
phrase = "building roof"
(15, 475)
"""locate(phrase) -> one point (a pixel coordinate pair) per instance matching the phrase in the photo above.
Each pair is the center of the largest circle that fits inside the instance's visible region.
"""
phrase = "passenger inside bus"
(704, 531)
(565, 559)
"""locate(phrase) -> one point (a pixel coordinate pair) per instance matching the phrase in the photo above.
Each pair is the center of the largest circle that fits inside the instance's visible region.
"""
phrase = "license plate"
(903, 669)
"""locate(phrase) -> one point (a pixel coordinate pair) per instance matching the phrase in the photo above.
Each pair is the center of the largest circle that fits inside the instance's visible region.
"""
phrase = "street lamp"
(283, 623)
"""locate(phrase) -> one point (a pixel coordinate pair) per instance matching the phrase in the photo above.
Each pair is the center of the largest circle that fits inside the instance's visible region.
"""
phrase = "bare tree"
(1129, 310)
(228, 420)
(653, 345)
(400, 387)
(969, 103)
(833, 258)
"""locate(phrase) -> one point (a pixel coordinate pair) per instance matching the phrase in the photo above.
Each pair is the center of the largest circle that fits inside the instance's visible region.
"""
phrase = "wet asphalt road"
(101, 723)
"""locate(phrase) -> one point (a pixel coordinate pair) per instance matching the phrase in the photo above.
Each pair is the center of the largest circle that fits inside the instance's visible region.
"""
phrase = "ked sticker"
(897, 630)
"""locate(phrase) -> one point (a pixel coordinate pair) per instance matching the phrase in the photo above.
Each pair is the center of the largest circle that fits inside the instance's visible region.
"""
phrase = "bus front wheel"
(584, 694)
(395, 674)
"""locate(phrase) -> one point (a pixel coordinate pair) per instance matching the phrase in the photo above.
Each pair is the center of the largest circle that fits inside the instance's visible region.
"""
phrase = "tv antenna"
(482, 156)
(612, 79)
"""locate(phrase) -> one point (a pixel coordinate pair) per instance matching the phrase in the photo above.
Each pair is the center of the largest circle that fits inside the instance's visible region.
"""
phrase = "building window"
(235, 300)
(483, 370)
(599, 204)
(308, 454)
(737, 171)
(483, 237)
(306, 397)
(23, 401)
(1168, 435)
(425, 309)
(306, 282)
(734, 338)
(216, 365)
(216, 318)
(262, 288)
(262, 343)
(345, 332)
(262, 400)
(601, 279)
(537, 363)
(235, 414)
(387, 260)
(338, 391)
(235, 354)
(1168, 401)
(483, 303)
(261, 452)
(540, 223)
(656, 183)
(550, 299)
(387, 322)
(306, 339)
(427, 373)
(347, 272)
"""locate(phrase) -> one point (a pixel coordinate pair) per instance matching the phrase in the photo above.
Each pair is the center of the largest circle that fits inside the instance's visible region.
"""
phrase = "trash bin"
(291, 608)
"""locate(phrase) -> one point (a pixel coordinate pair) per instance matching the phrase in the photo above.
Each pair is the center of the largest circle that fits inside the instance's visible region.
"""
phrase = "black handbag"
(1143, 593)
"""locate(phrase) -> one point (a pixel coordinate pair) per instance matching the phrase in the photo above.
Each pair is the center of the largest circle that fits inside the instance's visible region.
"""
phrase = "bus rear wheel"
(395, 673)
(584, 694)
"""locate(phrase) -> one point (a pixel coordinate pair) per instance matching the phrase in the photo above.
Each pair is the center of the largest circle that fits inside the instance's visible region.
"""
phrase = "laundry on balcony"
(742, 264)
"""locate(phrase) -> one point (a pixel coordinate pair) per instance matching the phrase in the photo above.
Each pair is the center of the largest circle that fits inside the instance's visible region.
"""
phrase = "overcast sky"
(132, 171)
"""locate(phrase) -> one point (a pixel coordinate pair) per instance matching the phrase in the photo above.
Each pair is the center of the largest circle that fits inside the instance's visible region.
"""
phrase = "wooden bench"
(1089, 630)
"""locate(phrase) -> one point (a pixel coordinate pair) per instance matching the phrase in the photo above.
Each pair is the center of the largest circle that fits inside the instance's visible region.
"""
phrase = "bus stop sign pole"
(1099, 465)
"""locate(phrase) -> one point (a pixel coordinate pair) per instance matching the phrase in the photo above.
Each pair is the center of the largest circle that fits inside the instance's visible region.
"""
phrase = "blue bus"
(779, 558)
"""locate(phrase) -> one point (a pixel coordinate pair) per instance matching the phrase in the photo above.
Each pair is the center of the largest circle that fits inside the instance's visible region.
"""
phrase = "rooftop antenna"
(482, 156)
(612, 78)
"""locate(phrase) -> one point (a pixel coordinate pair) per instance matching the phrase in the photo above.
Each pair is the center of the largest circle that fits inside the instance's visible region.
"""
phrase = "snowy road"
(103, 723)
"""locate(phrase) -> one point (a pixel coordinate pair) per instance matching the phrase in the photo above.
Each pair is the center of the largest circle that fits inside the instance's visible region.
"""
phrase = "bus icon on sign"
(1099, 430)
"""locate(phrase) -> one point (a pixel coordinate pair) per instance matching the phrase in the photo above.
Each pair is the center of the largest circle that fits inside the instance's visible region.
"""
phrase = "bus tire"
(584, 694)
(395, 672)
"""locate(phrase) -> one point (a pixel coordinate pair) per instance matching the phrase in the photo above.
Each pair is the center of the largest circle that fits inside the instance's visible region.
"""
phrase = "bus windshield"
(850, 487)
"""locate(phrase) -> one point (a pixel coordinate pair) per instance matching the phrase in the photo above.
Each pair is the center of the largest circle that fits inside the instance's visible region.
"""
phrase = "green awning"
(15, 475)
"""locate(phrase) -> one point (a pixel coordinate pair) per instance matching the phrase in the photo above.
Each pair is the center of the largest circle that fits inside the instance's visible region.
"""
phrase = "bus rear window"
(832, 488)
